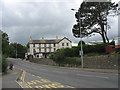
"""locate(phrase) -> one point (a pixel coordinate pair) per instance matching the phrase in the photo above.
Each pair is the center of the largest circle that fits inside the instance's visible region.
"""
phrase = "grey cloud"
(23, 20)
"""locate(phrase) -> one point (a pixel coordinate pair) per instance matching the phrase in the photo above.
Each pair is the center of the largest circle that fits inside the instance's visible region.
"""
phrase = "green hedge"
(65, 56)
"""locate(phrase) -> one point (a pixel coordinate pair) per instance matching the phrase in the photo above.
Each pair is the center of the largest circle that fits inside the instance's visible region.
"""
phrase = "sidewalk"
(9, 80)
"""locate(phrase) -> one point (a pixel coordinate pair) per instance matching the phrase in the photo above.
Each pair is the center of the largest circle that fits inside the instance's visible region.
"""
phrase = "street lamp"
(81, 51)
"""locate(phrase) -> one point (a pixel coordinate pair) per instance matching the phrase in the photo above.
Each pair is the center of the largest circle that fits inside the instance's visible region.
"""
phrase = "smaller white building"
(117, 42)
(43, 48)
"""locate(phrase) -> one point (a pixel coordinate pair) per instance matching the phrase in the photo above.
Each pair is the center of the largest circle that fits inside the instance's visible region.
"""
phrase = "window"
(54, 49)
(67, 44)
(62, 44)
(44, 45)
(34, 51)
(39, 45)
(33, 45)
(39, 49)
(54, 44)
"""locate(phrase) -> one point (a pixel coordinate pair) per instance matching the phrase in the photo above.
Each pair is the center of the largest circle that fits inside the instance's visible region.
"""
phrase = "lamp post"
(81, 51)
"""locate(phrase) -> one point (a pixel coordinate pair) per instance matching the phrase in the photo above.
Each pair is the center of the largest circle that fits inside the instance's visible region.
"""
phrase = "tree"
(5, 44)
(17, 49)
(93, 19)
(83, 43)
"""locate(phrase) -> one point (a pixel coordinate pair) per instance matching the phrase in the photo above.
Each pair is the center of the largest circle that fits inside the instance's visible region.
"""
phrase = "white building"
(43, 48)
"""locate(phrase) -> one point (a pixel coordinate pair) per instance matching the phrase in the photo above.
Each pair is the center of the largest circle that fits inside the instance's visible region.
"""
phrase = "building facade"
(44, 48)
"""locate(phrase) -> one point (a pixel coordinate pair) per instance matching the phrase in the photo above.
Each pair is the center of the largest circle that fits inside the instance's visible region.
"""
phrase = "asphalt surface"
(70, 77)
(9, 79)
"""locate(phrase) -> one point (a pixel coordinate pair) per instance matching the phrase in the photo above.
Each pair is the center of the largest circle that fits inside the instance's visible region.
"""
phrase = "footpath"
(9, 80)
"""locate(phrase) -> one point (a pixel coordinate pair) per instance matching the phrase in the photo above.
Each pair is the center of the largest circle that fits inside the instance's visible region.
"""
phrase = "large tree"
(17, 50)
(92, 18)
(5, 44)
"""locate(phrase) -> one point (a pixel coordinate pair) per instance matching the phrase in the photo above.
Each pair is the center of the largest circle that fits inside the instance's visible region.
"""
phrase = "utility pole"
(81, 50)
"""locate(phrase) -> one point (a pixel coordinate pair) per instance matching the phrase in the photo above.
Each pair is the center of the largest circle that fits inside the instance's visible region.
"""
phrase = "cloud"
(49, 19)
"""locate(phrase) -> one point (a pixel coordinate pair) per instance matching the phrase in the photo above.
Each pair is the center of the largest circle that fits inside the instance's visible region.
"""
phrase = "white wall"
(65, 41)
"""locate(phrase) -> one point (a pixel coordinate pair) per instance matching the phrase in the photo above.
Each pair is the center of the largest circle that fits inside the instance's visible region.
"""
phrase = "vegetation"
(17, 50)
(92, 18)
(68, 56)
(10, 50)
(4, 64)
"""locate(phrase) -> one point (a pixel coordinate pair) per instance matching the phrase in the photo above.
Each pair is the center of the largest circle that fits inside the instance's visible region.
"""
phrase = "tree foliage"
(83, 43)
(17, 50)
(5, 44)
(92, 17)
(12, 48)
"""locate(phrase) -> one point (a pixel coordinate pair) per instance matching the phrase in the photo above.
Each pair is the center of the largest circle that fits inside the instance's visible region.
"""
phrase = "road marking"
(19, 84)
(24, 73)
(41, 83)
(102, 77)
(92, 76)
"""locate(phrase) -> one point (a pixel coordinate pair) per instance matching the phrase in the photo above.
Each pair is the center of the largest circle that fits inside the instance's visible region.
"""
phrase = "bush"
(58, 56)
(72, 61)
(65, 56)
(4, 64)
(98, 48)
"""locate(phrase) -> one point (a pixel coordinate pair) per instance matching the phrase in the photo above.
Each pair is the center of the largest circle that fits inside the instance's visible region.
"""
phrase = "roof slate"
(47, 41)
(44, 41)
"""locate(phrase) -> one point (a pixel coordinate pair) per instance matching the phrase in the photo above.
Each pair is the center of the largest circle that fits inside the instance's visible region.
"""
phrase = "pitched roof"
(48, 41)
(44, 41)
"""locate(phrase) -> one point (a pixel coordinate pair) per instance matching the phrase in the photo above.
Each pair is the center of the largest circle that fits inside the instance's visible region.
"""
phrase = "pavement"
(9, 79)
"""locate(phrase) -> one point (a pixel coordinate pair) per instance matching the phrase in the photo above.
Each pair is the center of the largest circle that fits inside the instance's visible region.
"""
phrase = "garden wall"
(95, 62)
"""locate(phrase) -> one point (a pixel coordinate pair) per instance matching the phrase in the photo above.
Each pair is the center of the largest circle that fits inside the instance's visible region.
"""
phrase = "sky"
(44, 18)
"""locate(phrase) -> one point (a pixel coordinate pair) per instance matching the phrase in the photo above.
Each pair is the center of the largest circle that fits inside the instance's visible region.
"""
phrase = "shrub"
(4, 64)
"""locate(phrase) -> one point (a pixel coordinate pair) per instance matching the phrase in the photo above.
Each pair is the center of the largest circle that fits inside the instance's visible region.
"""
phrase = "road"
(74, 78)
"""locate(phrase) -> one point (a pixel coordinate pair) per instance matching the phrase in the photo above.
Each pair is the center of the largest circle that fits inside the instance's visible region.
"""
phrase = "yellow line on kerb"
(25, 83)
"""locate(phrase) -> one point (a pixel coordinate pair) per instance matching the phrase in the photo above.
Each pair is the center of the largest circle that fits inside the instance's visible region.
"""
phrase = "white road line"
(92, 76)
(102, 77)
(19, 84)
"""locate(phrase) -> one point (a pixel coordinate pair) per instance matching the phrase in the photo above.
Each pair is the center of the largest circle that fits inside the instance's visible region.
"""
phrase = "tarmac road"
(70, 77)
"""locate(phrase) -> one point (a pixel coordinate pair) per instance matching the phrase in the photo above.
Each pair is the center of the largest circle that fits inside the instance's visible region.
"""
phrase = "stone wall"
(95, 62)
(44, 61)
(102, 62)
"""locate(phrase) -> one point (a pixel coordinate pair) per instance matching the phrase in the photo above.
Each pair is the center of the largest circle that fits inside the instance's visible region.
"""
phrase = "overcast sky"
(44, 18)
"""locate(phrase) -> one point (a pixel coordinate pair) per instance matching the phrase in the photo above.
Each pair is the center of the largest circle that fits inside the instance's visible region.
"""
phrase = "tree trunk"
(106, 37)
(103, 32)
(103, 37)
